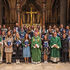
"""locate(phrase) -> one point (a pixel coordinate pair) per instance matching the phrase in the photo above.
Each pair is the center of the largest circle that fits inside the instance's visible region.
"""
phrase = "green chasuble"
(36, 52)
(0, 45)
(55, 52)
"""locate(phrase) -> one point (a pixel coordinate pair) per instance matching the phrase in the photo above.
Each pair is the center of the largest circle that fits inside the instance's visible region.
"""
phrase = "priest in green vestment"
(1, 49)
(55, 44)
(36, 48)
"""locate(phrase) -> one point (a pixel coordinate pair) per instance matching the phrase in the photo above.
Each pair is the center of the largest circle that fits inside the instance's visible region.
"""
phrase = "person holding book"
(17, 44)
(9, 47)
(45, 48)
(26, 48)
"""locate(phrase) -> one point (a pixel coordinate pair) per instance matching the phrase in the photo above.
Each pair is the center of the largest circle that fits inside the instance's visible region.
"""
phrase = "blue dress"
(26, 50)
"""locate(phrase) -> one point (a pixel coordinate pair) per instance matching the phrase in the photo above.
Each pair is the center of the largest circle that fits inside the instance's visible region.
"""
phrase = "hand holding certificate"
(18, 42)
(45, 44)
(26, 43)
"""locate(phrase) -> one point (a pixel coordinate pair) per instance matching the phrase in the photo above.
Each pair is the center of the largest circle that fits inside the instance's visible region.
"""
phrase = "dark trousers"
(65, 57)
(17, 52)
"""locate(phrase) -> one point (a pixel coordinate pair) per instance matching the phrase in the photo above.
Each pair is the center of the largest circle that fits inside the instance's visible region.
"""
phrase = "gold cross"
(31, 14)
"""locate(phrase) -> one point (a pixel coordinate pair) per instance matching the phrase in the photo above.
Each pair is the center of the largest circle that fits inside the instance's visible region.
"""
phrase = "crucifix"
(31, 14)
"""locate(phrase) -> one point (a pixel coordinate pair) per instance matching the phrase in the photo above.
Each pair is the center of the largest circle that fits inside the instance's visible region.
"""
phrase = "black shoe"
(55, 62)
(9, 63)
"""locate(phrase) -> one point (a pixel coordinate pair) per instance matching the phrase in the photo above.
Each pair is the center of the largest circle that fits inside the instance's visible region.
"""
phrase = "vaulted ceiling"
(12, 3)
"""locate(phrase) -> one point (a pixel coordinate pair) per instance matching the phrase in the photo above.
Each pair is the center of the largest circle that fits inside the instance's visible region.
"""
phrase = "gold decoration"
(31, 14)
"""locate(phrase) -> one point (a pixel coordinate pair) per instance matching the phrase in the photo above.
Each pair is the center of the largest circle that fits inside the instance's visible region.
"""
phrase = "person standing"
(65, 48)
(22, 33)
(3, 38)
(45, 48)
(4, 29)
(8, 47)
(61, 28)
(36, 48)
(26, 48)
(69, 43)
(67, 29)
(43, 34)
(17, 27)
(17, 44)
(1, 49)
(55, 44)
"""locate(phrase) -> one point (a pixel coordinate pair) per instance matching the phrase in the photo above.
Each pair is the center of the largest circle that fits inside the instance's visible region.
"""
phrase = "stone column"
(68, 11)
(18, 12)
(0, 11)
(38, 17)
(63, 12)
(24, 18)
(44, 14)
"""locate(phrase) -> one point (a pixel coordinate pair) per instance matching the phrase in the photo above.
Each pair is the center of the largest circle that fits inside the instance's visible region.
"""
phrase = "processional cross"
(31, 14)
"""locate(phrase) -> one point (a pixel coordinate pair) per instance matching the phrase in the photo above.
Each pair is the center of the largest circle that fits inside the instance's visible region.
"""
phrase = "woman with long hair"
(26, 48)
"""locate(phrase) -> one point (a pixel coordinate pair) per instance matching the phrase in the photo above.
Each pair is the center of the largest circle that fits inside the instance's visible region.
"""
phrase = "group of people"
(39, 44)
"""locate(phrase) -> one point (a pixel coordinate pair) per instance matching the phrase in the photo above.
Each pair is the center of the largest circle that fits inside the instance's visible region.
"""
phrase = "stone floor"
(42, 66)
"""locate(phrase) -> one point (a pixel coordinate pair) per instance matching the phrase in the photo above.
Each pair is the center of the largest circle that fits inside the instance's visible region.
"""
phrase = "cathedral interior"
(34, 12)
(30, 12)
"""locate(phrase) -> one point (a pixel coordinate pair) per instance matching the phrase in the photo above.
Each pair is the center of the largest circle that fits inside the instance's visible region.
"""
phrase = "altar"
(31, 16)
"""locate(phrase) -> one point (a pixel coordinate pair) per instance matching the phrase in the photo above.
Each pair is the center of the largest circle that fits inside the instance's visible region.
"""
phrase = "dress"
(26, 50)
